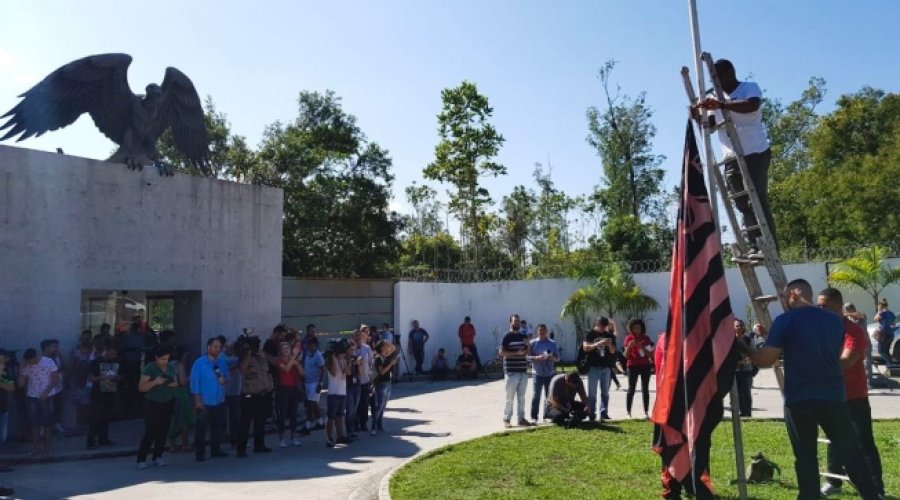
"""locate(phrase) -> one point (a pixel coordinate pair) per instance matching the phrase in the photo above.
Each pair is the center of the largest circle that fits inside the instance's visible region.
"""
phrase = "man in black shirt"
(104, 377)
(600, 346)
(514, 349)
(562, 407)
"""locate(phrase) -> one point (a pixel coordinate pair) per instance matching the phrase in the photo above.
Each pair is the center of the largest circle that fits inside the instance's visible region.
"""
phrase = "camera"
(246, 345)
(338, 346)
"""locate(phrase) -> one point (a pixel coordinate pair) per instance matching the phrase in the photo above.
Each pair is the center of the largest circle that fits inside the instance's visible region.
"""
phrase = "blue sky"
(536, 61)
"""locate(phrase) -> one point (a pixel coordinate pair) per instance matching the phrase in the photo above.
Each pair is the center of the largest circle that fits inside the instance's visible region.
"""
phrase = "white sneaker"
(829, 489)
(297, 442)
(373, 432)
(142, 465)
(282, 444)
(158, 462)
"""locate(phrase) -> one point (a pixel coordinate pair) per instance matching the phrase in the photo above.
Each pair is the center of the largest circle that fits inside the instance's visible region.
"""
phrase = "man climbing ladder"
(744, 101)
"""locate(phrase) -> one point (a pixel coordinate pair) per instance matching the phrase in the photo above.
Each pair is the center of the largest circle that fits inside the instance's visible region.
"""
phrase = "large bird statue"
(98, 85)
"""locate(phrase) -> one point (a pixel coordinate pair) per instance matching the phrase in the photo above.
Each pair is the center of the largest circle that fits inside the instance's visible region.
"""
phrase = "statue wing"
(181, 110)
(97, 85)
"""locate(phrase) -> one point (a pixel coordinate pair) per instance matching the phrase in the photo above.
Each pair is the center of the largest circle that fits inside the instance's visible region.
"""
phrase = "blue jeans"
(541, 384)
(516, 383)
(598, 376)
(803, 419)
(382, 395)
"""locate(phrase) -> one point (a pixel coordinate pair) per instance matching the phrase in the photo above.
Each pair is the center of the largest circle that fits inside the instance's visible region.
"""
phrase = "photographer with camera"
(386, 356)
(256, 390)
(364, 351)
(314, 372)
(337, 367)
(562, 407)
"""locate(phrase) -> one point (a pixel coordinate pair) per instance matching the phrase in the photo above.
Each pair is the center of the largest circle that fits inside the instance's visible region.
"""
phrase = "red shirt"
(856, 340)
(290, 378)
(638, 355)
(467, 334)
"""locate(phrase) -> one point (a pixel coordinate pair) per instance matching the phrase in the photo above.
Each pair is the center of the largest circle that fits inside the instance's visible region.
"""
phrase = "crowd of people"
(234, 390)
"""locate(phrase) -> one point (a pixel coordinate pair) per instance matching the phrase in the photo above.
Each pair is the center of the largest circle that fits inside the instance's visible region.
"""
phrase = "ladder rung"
(765, 298)
(739, 194)
(750, 228)
(747, 261)
(722, 163)
(835, 476)
(824, 440)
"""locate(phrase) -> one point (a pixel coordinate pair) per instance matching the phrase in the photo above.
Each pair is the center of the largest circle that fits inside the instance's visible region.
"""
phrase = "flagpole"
(714, 207)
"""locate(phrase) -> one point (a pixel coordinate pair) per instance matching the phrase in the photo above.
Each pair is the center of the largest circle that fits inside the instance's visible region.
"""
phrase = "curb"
(384, 486)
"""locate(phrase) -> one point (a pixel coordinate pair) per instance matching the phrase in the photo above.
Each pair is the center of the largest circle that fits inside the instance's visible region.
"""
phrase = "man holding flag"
(696, 369)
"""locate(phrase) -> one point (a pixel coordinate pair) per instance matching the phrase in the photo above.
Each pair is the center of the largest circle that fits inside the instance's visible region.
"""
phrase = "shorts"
(337, 406)
(39, 412)
(311, 393)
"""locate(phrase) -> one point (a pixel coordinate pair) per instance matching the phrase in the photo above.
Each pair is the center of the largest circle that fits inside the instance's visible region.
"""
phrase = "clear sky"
(536, 61)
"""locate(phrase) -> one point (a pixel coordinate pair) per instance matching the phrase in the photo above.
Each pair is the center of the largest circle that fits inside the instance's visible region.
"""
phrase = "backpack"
(581, 361)
(761, 469)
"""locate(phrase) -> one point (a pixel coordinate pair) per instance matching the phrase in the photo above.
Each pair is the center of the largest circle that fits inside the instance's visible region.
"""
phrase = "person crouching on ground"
(562, 408)
(466, 365)
(439, 365)
(158, 384)
(338, 368)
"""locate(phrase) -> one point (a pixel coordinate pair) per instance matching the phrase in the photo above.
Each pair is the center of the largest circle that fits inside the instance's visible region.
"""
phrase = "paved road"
(421, 416)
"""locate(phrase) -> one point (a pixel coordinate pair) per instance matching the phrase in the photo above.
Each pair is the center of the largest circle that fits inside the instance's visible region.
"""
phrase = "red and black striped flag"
(696, 369)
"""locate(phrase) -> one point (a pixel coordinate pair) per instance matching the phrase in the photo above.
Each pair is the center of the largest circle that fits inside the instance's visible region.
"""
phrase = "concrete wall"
(336, 304)
(68, 224)
(440, 307)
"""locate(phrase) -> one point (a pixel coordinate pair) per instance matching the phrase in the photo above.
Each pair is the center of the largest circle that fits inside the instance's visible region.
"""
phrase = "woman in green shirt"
(160, 386)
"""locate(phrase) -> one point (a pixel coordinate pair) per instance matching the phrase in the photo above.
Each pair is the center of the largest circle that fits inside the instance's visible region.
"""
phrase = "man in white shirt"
(744, 100)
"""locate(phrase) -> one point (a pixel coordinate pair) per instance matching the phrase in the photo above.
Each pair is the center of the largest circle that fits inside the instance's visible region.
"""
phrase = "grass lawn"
(612, 461)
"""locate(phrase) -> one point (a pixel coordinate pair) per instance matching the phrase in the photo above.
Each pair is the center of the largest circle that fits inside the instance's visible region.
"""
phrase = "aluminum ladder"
(740, 249)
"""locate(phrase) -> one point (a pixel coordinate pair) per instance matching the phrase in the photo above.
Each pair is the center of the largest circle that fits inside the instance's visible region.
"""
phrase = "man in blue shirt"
(885, 319)
(416, 344)
(208, 378)
(544, 356)
(811, 340)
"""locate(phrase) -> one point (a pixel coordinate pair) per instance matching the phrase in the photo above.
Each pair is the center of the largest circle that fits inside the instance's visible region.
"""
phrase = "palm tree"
(613, 292)
(867, 270)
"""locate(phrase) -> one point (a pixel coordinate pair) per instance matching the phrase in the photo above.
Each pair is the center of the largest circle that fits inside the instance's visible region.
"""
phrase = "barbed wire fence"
(793, 255)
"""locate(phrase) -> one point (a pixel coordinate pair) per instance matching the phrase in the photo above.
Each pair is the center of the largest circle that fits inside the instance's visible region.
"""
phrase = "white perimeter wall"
(68, 224)
(441, 307)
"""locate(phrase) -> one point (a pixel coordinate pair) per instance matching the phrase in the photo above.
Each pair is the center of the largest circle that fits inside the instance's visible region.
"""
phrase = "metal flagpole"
(714, 206)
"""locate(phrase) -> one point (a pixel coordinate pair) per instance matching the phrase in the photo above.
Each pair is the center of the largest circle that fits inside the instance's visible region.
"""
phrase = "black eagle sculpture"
(98, 85)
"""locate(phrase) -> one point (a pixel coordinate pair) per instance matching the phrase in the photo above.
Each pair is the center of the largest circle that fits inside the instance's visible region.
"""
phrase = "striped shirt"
(515, 341)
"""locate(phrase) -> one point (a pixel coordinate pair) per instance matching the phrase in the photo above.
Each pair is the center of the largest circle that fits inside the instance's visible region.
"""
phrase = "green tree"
(336, 192)
(622, 134)
(465, 153)
(518, 211)
(849, 193)
(613, 292)
(550, 225)
(425, 219)
(867, 270)
(439, 251)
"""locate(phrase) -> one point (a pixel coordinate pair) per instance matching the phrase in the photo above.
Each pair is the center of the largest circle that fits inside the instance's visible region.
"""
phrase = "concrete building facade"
(83, 241)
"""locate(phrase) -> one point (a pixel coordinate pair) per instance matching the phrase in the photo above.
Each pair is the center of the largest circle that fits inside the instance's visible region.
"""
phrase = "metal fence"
(795, 255)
